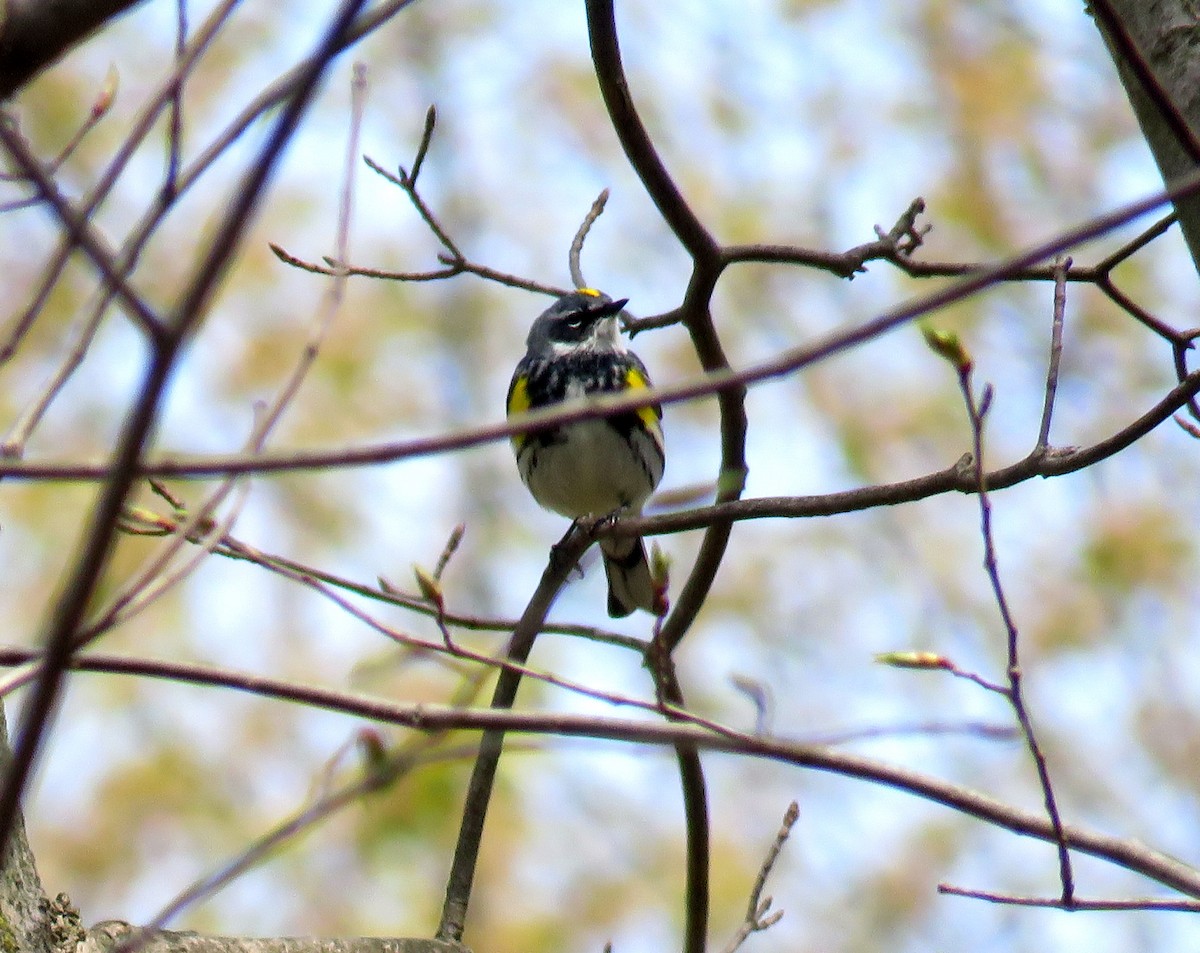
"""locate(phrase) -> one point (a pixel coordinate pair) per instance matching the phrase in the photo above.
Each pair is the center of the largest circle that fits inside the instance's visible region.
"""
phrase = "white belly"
(590, 471)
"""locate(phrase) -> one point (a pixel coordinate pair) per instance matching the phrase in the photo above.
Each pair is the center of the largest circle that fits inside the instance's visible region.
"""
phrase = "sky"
(806, 122)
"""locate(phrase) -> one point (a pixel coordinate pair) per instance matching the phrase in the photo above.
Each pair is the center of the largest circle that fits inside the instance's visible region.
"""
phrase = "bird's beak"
(610, 309)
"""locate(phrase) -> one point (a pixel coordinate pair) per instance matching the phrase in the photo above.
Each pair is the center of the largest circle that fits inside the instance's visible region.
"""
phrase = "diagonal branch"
(563, 559)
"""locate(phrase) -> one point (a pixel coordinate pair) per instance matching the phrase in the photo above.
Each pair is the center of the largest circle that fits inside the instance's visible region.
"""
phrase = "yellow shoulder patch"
(518, 396)
(636, 380)
(518, 403)
(590, 292)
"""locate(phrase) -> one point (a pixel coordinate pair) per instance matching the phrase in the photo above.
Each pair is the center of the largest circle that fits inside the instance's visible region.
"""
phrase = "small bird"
(602, 467)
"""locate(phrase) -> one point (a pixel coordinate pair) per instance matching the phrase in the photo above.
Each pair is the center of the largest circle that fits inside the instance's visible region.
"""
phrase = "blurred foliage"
(782, 121)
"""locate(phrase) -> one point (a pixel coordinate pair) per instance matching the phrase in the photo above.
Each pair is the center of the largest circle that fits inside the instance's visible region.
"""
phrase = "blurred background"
(801, 122)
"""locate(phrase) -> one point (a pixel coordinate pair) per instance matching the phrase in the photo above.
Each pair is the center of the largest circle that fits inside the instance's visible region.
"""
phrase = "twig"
(896, 246)
(81, 233)
(175, 132)
(976, 412)
(448, 551)
(1056, 335)
(306, 574)
(1076, 904)
(759, 694)
(452, 258)
(423, 147)
(757, 916)
(409, 187)
(576, 251)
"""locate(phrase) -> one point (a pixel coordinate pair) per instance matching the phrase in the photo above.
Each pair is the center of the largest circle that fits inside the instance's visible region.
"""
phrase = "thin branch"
(100, 107)
(1056, 333)
(140, 128)
(452, 258)
(576, 250)
(1076, 903)
(758, 917)
(1135, 244)
(81, 232)
(175, 129)
(896, 245)
(976, 411)
(409, 187)
(423, 147)
(145, 523)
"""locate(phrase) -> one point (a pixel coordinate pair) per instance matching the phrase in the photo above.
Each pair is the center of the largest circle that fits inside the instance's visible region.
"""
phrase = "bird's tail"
(630, 582)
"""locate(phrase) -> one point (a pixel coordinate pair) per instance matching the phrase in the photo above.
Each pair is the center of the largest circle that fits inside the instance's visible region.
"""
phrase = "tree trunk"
(1167, 33)
(34, 33)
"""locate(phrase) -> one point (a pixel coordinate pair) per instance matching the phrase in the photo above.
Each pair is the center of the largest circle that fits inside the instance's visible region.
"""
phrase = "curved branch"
(639, 149)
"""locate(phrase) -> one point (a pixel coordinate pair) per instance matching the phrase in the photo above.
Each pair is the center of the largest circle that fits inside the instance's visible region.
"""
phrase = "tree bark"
(1167, 33)
(28, 921)
(105, 937)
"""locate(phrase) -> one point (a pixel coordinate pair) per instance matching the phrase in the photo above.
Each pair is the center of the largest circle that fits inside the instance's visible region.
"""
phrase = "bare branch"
(81, 232)
(563, 559)
(758, 917)
(635, 140)
(1056, 333)
(976, 411)
(585, 226)
(1076, 903)
(1123, 852)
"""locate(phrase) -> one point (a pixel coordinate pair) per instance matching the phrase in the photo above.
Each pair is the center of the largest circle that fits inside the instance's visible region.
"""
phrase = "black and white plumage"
(600, 467)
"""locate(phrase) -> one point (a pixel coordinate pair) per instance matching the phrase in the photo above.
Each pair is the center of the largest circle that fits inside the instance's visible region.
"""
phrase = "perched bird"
(599, 467)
